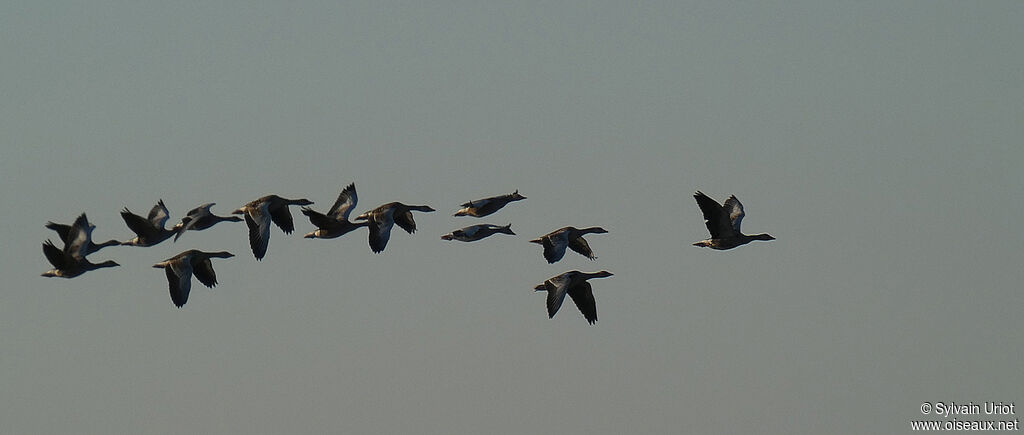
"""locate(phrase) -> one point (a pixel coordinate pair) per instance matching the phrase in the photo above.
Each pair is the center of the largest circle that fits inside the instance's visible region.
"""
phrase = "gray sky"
(880, 142)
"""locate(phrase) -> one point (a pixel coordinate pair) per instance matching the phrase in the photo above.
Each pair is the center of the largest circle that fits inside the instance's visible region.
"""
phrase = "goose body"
(70, 261)
(180, 269)
(200, 218)
(723, 222)
(476, 232)
(486, 206)
(574, 283)
(150, 230)
(335, 222)
(64, 231)
(381, 219)
(260, 213)
(555, 242)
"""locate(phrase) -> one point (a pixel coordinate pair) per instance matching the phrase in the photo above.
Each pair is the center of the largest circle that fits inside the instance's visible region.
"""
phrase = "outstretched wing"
(554, 246)
(715, 217)
(136, 223)
(557, 288)
(346, 201)
(54, 255)
(158, 214)
(403, 218)
(580, 245)
(734, 209)
(380, 233)
(179, 279)
(202, 268)
(283, 218)
(259, 231)
(583, 296)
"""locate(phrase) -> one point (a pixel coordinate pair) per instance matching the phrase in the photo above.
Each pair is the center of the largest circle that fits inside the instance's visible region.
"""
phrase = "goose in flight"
(335, 222)
(486, 206)
(181, 267)
(381, 219)
(70, 261)
(556, 241)
(574, 283)
(64, 231)
(149, 230)
(723, 222)
(473, 233)
(259, 213)
(200, 218)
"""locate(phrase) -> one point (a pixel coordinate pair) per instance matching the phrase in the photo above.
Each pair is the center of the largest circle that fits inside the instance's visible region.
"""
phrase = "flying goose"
(574, 283)
(486, 206)
(181, 267)
(556, 241)
(381, 219)
(476, 232)
(335, 223)
(258, 215)
(200, 218)
(150, 230)
(63, 231)
(723, 222)
(70, 261)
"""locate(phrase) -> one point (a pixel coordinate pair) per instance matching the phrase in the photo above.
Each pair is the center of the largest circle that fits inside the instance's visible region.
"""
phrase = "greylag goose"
(574, 283)
(200, 218)
(181, 267)
(476, 232)
(723, 222)
(70, 261)
(556, 241)
(486, 206)
(89, 247)
(149, 230)
(335, 223)
(381, 219)
(258, 215)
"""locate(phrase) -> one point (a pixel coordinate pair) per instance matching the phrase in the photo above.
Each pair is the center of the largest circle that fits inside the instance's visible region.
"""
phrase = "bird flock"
(722, 220)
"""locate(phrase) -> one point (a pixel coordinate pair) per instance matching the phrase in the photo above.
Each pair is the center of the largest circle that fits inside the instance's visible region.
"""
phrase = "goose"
(70, 261)
(723, 222)
(556, 241)
(63, 232)
(259, 213)
(335, 223)
(200, 218)
(181, 267)
(150, 230)
(574, 283)
(476, 232)
(381, 219)
(486, 206)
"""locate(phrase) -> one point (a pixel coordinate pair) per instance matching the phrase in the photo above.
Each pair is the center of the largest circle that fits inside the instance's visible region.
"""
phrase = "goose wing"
(557, 287)
(55, 255)
(179, 280)
(61, 229)
(316, 218)
(734, 209)
(403, 218)
(259, 230)
(580, 245)
(346, 201)
(283, 218)
(715, 217)
(79, 238)
(583, 296)
(554, 246)
(136, 223)
(380, 233)
(202, 268)
(158, 214)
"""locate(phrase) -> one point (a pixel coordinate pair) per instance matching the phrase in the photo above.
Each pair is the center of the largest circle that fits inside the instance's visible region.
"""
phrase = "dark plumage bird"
(335, 223)
(574, 283)
(382, 218)
(723, 222)
(70, 261)
(200, 218)
(63, 231)
(181, 267)
(149, 230)
(486, 206)
(473, 233)
(258, 215)
(556, 241)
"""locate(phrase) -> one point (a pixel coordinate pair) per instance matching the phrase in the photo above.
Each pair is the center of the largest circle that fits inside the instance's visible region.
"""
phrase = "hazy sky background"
(880, 142)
